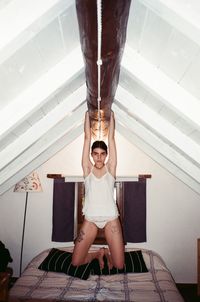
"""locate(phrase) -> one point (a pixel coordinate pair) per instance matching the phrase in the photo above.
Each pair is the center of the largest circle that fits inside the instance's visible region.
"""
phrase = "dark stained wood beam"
(114, 25)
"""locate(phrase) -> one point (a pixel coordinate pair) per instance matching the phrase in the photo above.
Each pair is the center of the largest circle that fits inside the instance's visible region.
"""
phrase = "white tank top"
(99, 196)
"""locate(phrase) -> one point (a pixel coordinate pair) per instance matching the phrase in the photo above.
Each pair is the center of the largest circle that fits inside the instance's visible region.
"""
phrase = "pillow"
(60, 261)
(134, 263)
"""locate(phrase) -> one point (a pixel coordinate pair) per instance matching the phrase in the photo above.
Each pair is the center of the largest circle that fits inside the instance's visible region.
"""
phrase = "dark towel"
(135, 211)
(63, 211)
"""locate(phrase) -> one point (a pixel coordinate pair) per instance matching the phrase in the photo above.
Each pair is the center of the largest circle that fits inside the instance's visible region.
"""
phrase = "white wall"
(173, 211)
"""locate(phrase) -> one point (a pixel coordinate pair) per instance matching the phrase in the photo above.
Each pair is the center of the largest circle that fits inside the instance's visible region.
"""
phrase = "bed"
(155, 285)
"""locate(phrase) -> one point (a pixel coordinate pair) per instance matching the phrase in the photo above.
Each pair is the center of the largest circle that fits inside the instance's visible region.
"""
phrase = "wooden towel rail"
(60, 176)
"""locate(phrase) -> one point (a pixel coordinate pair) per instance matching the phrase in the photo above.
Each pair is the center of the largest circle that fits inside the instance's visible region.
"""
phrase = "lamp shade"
(30, 183)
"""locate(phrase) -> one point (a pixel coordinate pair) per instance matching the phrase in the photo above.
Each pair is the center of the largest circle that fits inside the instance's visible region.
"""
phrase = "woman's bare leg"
(108, 257)
(114, 238)
(83, 242)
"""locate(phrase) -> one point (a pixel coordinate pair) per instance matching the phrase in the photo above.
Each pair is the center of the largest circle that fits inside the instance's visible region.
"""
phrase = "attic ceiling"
(43, 91)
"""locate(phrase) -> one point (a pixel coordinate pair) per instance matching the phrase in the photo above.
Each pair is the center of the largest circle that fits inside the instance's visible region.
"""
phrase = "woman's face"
(99, 156)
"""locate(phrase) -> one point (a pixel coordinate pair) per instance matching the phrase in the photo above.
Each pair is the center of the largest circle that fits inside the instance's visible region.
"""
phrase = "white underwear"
(100, 222)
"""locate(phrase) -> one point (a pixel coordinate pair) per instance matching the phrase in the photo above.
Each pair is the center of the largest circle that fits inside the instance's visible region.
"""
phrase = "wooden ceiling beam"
(47, 146)
(39, 92)
(158, 125)
(161, 152)
(157, 83)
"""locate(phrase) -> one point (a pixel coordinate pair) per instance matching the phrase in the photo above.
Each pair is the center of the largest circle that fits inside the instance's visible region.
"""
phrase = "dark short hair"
(101, 145)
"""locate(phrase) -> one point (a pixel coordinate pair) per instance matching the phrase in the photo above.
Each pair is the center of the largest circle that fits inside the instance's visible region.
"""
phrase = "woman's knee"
(76, 261)
(119, 264)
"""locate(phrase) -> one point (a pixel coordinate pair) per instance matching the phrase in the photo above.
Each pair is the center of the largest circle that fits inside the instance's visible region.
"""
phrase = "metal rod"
(24, 223)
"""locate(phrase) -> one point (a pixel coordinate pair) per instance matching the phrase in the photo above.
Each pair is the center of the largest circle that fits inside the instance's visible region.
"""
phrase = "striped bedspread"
(156, 285)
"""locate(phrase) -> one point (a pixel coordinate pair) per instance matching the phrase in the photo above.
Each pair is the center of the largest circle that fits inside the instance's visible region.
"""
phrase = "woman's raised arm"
(112, 160)
(86, 163)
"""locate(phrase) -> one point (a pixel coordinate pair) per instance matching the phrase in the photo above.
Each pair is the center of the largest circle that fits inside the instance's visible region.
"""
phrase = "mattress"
(155, 285)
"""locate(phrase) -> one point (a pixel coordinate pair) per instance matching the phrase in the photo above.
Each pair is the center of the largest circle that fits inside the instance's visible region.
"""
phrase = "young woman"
(99, 210)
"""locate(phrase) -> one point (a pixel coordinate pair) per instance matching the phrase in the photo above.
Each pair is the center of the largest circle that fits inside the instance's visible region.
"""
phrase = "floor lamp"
(30, 183)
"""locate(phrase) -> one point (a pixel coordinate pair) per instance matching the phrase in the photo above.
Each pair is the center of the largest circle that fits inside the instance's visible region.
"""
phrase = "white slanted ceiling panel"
(161, 146)
(183, 17)
(178, 55)
(154, 37)
(154, 145)
(169, 92)
(159, 125)
(37, 94)
(156, 156)
(60, 143)
(53, 141)
(64, 109)
(191, 79)
(21, 20)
